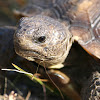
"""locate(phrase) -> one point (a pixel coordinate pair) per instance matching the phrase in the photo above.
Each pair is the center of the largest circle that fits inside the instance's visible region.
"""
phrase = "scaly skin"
(35, 40)
(91, 90)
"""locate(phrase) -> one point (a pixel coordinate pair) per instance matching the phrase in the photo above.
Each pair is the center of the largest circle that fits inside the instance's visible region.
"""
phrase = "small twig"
(5, 85)
(44, 91)
(28, 95)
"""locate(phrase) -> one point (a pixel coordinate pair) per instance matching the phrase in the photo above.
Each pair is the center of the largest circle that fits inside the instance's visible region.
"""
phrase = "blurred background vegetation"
(6, 11)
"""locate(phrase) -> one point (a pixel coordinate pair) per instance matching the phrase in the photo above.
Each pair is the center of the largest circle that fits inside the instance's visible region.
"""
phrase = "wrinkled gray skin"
(52, 50)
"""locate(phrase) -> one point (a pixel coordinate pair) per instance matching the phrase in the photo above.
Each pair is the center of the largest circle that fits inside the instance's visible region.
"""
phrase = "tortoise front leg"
(63, 83)
(91, 90)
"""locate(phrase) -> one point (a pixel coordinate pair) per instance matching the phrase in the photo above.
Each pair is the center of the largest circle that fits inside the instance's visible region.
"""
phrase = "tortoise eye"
(42, 39)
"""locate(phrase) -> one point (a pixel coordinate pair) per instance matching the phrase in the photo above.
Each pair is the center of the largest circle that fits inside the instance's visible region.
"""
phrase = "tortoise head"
(42, 38)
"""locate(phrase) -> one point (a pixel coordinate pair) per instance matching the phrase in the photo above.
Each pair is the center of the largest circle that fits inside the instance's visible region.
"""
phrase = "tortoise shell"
(85, 26)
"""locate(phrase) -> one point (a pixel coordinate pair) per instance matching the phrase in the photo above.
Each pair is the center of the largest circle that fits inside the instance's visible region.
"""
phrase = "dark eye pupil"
(42, 39)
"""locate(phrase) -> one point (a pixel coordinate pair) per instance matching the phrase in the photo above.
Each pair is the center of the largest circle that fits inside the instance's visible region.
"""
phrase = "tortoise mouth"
(34, 55)
(31, 55)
